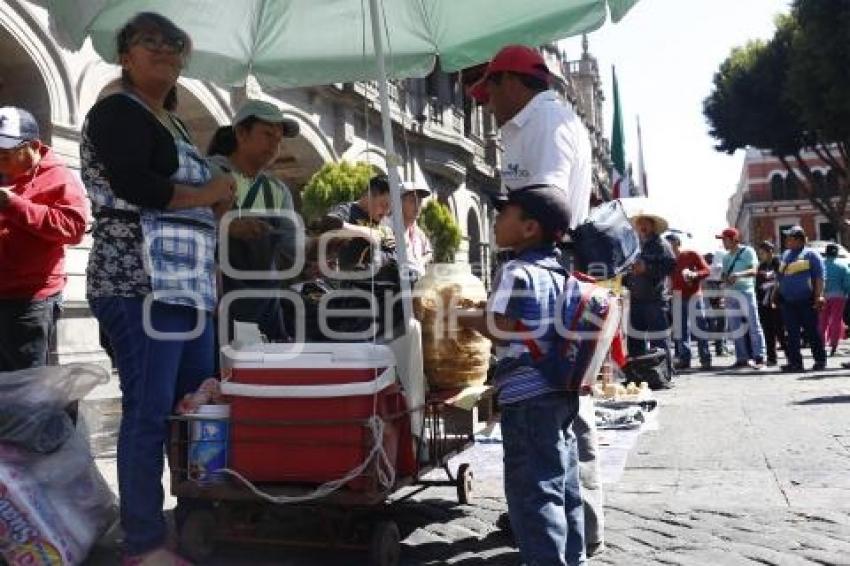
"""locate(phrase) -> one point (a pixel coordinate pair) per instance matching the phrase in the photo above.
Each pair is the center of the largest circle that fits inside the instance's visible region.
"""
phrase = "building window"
(776, 187)
(791, 189)
(832, 183)
(820, 184)
(826, 231)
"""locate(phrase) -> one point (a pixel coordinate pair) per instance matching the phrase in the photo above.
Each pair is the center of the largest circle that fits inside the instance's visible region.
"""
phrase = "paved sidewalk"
(746, 468)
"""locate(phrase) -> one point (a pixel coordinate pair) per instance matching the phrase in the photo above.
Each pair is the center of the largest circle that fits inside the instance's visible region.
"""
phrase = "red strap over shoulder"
(583, 277)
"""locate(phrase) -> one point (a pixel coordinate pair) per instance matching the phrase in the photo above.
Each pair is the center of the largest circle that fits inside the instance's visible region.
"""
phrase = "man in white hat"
(649, 289)
(419, 250)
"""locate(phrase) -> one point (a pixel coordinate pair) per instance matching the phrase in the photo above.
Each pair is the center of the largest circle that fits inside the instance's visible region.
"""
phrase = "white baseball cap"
(16, 127)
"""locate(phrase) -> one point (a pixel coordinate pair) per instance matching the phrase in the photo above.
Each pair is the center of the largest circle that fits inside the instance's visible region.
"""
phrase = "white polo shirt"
(546, 143)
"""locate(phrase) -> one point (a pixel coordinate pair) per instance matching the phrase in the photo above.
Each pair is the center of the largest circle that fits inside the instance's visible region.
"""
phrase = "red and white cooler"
(300, 413)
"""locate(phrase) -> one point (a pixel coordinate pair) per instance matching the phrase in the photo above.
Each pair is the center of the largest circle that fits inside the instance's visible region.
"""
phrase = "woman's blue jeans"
(154, 373)
(542, 479)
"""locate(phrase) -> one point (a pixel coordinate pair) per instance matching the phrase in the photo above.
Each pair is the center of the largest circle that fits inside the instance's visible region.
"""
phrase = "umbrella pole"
(392, 164)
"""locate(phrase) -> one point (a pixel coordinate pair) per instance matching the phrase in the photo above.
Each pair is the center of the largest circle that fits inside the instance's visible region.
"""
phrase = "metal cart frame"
(358, 520)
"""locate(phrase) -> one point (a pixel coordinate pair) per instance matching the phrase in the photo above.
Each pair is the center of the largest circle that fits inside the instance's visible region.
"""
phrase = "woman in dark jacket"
(769, 314)
(151, 272)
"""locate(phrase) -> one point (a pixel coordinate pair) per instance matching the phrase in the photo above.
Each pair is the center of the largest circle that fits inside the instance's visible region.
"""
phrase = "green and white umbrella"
(290, 43)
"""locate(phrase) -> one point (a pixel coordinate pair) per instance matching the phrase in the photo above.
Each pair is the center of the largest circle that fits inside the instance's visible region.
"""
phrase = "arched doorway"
(22, 84)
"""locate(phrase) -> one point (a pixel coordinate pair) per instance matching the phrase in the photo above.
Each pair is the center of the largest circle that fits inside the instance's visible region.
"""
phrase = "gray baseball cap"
(267, 112)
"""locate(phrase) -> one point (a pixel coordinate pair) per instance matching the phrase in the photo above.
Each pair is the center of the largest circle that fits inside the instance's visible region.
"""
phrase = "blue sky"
(666, 53)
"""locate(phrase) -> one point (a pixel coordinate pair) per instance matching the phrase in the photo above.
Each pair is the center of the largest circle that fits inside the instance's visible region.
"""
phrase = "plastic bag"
(39, 429)
(53, 507)
(50, 385)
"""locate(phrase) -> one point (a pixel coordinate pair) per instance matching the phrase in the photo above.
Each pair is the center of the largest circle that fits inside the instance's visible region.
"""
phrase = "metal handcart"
(358, 515)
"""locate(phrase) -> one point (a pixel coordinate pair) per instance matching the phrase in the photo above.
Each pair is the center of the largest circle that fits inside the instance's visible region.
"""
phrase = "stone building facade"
(444, 140)
(768, 200)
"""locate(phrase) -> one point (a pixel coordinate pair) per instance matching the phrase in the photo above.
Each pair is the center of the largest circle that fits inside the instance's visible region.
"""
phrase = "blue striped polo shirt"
(526, 293)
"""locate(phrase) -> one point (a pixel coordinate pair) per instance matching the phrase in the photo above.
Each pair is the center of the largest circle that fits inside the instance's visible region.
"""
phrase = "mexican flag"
(619, 178)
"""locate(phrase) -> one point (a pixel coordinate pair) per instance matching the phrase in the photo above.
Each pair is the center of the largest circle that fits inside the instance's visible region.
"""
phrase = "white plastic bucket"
(209, 433)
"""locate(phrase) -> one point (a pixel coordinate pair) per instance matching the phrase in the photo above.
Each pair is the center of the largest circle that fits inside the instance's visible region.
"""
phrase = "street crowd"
(157, 202)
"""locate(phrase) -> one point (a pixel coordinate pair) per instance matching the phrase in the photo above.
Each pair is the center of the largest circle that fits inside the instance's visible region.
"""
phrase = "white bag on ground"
(53, 507)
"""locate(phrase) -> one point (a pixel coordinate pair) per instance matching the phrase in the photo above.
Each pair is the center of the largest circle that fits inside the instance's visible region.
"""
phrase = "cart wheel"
(385, 546)
(197, 537)
(464, 484)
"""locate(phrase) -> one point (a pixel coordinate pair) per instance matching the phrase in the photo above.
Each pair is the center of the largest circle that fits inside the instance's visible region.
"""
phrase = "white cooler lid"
(308, 355)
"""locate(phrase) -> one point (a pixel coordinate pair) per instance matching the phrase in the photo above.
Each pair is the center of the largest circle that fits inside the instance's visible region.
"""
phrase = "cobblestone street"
(746, 468)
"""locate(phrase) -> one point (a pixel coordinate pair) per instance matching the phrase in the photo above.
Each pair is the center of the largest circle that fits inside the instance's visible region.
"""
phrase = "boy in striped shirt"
(541, 461)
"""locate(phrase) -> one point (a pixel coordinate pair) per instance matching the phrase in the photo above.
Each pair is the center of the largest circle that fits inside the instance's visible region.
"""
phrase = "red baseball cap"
(519, 59)
(729, 233)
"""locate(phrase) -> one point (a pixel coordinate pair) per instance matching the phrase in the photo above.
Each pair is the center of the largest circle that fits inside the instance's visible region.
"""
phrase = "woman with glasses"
(151, 274)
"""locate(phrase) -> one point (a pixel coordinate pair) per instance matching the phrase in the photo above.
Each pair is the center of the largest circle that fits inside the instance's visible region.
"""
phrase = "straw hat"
(661, 224)
(636, 207)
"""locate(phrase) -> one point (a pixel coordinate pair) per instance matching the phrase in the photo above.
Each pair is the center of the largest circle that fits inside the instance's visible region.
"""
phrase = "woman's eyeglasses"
(158, 43)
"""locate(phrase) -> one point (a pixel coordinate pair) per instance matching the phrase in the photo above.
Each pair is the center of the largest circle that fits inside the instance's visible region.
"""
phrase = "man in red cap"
(544, 140)
(740, 265)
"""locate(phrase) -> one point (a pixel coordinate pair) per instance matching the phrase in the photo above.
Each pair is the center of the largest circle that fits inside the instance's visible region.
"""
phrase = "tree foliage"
(819, 72)
(442, 229)
(790, 95)
(749, 106)
(332, 184)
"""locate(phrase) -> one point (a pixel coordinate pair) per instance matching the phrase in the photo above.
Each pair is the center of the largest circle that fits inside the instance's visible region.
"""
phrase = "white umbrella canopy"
(289, 43)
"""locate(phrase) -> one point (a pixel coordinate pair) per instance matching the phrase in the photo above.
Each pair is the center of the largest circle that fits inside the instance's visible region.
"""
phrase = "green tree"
(819, 83)
(752, 105)
(332, 184)
(438, 222)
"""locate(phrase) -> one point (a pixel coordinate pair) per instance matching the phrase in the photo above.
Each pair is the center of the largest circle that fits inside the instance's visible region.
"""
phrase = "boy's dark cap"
(546, 204)
(380, 183)
(767, 245)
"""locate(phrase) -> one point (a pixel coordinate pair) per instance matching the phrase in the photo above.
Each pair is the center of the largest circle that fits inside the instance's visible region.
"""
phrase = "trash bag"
(50, 385)
(54, 504)
(651, 368)
(606, 243)
(53, 508)
(39, 429)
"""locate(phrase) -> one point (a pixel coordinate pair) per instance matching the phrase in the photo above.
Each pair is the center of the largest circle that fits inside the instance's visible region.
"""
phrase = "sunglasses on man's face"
(158, 44)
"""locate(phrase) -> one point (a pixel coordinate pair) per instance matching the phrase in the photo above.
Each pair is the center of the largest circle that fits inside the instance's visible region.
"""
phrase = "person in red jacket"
(42, 209)
(687, 278)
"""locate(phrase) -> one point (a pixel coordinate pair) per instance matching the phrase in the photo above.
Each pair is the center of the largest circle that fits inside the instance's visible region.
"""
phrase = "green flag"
(619, 178)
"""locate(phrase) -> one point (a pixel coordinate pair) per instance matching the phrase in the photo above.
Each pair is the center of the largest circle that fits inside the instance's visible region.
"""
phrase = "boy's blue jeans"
(154, 374)
(542, 479)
